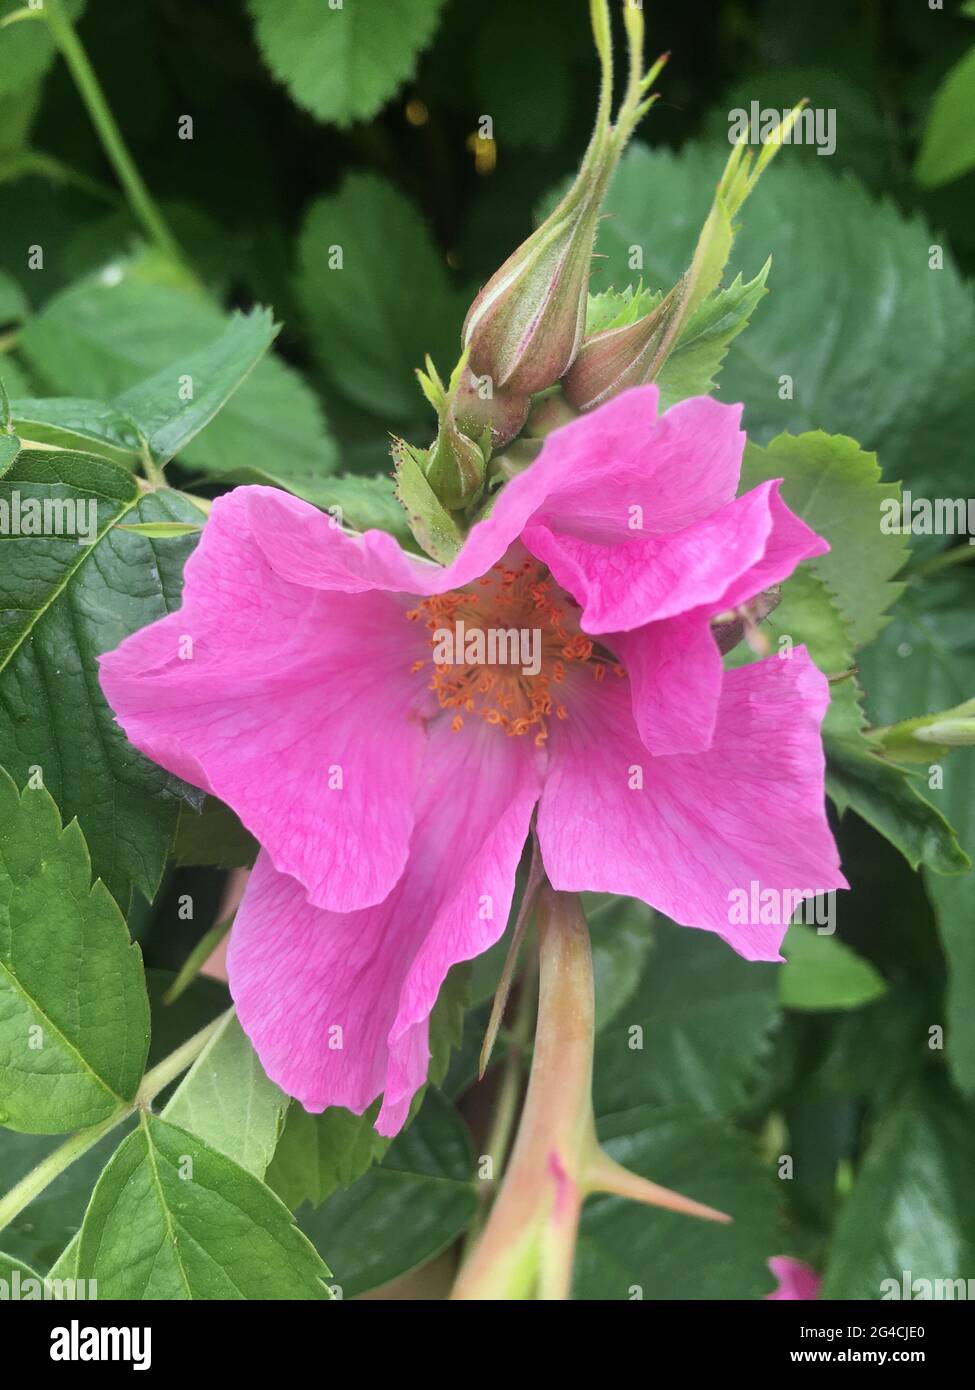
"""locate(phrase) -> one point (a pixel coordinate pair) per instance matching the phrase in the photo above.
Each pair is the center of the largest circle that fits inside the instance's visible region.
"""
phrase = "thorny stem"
(527, 1247)
(154, 1081)
(116, 151)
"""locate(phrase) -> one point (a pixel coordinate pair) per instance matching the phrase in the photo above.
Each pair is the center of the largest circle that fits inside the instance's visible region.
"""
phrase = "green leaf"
(176, 403)
(343, 63)
(13, 305)
(26, 47)
(226, 1100)
(103, 336)
(877, 344)
(163, 530)
(911, 1209)
(619, 929)
(318, 1154)
(367, 504)
(632, 1252)
(835, 487)
(435, 529)
(702, 1016)
(822, 972)
(357, 250)
(42, 1233)
(171, 1218)
(61, 605)
(948, 147)
(64, 422)
(925, 661)
(887, 797)
(16, 1272)
(74, 1016)
(213, 835)
(695, 361)
(9, 449)
(420, 1197)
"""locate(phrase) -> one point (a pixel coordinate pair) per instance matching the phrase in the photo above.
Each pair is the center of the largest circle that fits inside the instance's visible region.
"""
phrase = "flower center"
(501, 650)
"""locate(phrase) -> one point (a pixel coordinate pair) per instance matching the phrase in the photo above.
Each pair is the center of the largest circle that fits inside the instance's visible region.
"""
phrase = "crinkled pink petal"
(298, 973)
(690, 833)
(678, 469)
(796, 1279)
(673, 662)
(628, 580)
(294, 707)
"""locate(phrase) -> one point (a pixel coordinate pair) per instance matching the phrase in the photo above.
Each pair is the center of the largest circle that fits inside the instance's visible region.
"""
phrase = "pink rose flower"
(392, 792)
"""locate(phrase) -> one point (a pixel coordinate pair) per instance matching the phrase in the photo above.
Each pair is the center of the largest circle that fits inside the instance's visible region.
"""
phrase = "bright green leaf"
(342, 63)
(226, 1100)
(74, 1016)
(171, 1218)
(89, 426)
(948, 147)
(822, 972)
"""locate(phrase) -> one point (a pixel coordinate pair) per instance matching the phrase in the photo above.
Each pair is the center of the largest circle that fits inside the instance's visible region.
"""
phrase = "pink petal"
(284, 688)
(704, 827)
(675, 674)
(796, 1279)
(297, 972)
(678, 468)
(627, 580)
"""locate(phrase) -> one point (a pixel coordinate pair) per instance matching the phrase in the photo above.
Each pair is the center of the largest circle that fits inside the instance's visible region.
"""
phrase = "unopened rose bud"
(525, 326)
(630, 355)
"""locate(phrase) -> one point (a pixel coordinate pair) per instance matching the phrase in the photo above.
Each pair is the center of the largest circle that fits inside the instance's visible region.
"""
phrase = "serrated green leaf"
(339, 63)
(9, 449)
(213, 835)
(948, 147)
(64, 422)
(176, 403)
(435, 529)
(835, 487)
(911, 1209)
(171, 1218)
(877, 344)
(924, 661)
(420, 1197)
(103, 336)
(691, 367)
(74, 1016)
(822, 972)
(703, 1016)
(367, 334)
(226, 1100)
(631, 1252)
(618, 308)
(318, 1154)
(61, 605)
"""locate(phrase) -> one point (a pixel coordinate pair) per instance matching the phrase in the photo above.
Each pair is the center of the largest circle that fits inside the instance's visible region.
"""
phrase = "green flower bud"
(525, 326)
(629, 355)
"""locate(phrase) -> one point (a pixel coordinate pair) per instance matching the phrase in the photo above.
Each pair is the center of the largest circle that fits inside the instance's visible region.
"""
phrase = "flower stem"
(528, 1243)
(50, 1167)
(89, 88)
